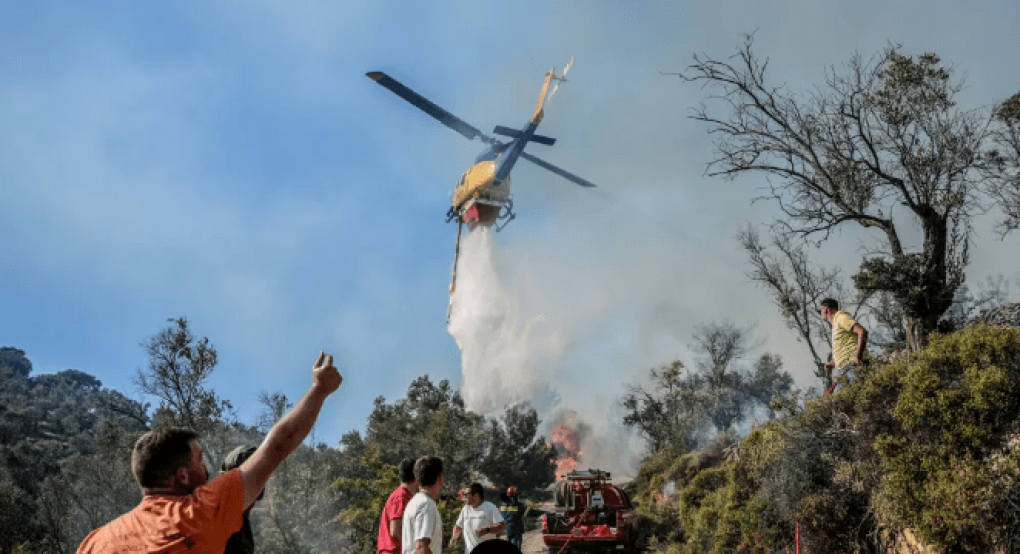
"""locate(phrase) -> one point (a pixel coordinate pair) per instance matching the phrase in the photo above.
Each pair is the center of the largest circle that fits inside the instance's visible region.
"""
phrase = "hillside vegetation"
(65, 451)
(919, 455)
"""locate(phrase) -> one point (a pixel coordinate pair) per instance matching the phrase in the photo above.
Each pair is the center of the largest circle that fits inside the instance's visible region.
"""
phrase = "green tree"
(881, 145)
(366, 495)
(947, 441)
(719, 346)
(670, 414)
(17, 519)
(178, 366)
(91, 489)
(431, 420)
(50, 423)
(685, 408)
(14, 360)
(517, 456)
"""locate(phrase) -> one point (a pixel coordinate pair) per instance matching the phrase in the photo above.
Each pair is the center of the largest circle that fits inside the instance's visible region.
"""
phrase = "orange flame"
(566, 442)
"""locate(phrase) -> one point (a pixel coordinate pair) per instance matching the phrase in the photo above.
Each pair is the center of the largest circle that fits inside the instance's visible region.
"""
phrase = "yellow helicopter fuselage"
(480, 182)
(480, 197)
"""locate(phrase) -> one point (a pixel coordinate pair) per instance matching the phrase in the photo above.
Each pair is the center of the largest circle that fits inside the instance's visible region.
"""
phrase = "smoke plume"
(511, 353)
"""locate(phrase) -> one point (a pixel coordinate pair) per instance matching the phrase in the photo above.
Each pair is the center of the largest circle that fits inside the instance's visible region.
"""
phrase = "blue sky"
(229, 162)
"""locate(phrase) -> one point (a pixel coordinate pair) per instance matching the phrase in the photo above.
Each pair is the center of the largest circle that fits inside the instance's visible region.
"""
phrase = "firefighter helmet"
(512, 491)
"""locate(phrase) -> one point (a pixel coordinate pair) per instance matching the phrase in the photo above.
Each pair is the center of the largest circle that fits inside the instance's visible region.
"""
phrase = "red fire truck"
(592, 515)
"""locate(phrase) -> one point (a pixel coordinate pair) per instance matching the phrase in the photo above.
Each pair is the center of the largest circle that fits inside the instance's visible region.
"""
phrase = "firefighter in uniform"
(514, 512)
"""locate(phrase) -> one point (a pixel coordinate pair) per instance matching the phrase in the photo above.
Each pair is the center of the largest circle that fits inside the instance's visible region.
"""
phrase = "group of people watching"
(182, 511)
(411, 522)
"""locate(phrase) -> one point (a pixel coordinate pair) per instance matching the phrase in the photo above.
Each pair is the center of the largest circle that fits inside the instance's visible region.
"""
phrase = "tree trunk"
(917, 330)
(915, 333)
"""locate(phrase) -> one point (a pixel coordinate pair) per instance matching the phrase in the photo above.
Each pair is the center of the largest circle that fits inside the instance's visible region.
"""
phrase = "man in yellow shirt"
(849, 342)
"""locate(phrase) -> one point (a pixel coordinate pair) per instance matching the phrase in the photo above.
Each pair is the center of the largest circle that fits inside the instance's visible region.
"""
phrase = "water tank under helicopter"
(481, 199)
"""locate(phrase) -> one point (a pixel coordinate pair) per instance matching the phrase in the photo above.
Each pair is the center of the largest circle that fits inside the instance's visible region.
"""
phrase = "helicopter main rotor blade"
(427, 106)
(565, 174)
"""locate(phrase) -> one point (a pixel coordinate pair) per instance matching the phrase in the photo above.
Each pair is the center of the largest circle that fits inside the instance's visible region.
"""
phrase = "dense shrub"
(925, 446)
(949, 459)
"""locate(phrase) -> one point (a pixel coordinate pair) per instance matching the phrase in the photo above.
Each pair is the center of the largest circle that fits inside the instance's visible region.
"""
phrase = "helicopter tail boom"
(536, 118)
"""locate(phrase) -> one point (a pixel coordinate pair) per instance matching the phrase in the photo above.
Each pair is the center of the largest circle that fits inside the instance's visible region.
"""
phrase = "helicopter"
(482, 196)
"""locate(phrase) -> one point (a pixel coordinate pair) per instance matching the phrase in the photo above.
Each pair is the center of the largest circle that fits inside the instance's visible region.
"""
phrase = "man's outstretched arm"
(290, 431)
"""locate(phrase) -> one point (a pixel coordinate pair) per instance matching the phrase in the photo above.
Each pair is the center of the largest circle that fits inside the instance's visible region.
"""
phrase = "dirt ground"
(532, 543)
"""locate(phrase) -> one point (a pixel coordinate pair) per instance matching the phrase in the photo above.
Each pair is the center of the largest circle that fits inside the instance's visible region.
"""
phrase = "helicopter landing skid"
(506, 215)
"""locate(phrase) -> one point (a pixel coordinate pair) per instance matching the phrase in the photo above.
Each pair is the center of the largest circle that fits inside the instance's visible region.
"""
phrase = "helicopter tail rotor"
(566, 68)
(560, 79)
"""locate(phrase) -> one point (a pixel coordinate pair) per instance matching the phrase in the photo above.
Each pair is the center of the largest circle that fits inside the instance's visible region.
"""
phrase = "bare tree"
(683, 409)
(880, 144)
(796, 288)
(721, 346)
(1004, 171)
(276, 406)
(671, 414)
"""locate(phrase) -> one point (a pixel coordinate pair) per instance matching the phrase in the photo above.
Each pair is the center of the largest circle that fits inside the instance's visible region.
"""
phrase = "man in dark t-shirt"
(243, 541)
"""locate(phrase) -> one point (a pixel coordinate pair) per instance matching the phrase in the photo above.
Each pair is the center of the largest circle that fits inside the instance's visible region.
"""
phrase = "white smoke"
(503, 351)
(511, 352)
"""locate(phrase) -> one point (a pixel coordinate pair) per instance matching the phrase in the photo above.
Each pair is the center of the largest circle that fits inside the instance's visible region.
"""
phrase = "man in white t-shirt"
(479, 520)
(422, 527)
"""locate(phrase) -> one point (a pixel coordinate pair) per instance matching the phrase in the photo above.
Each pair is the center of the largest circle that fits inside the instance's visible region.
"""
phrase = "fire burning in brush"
(567, 444)
(568, 434)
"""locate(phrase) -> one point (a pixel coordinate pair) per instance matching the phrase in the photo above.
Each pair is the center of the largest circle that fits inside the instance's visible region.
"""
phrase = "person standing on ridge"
(849, 343)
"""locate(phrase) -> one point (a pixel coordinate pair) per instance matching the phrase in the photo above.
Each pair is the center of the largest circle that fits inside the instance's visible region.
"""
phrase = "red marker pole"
(798, 537)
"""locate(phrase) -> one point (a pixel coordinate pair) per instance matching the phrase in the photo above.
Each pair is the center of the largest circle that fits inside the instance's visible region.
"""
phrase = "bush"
(925, 446)
(947, 461)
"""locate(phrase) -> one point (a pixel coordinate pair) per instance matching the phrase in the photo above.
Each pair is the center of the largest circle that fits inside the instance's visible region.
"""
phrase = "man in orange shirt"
(390, 524)
(181, 510)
